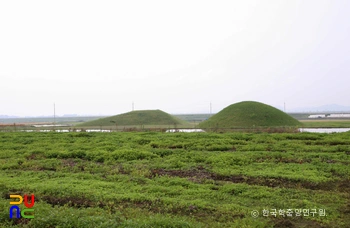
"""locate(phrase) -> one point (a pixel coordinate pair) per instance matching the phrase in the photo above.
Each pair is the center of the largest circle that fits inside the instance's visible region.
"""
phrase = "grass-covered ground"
(341, 123)
(176, 180)
(140, 117)
(249, 114)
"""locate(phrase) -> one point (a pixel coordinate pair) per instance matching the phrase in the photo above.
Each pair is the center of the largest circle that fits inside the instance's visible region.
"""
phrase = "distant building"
(329, 116)
(317, 116)
(339, 116)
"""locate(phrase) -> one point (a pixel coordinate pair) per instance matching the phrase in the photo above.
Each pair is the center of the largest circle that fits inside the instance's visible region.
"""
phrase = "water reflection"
(78, 130)
(324, 130)
(312, 130)
(185, 130)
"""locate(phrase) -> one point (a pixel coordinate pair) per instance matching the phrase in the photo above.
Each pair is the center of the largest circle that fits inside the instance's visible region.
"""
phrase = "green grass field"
(176, 179)
(343, 123)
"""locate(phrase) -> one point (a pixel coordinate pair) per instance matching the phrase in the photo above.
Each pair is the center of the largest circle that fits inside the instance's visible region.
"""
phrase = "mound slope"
(249, 114)
(141, 117)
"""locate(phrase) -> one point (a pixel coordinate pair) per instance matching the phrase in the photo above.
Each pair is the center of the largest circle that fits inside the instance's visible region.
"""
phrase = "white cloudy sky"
(97, 57)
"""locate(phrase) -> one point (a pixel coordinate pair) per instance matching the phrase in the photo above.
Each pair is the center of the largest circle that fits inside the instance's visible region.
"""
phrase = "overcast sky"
(97, 57)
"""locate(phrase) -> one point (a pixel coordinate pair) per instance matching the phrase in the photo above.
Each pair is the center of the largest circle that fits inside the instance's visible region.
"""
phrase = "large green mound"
(142, 117)
(249, 114)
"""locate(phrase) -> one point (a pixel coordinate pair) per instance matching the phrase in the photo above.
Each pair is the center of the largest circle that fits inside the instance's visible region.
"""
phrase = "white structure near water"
(340, 115)
(317, 116)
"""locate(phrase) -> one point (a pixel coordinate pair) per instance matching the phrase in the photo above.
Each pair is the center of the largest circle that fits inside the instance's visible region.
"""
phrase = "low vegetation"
(154, 179)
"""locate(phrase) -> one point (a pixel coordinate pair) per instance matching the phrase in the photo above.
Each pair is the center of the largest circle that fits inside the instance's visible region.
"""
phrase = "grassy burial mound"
(142, 117)
(248, 114)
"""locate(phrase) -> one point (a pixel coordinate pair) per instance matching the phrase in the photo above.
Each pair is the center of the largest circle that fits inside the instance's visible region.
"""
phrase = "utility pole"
(132, 107)
(210, 109)
(284, 106)
(54, 114)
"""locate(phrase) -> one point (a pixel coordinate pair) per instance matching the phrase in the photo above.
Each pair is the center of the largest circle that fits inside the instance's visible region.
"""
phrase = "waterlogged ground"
(177, 179)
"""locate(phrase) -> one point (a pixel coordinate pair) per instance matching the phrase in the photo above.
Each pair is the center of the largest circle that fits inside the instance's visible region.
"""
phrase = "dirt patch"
(200, 175)
(47, 169)
(284, 224)
(71, 201)
(69, 162)
(156, 206)
(296, 222)
(121, 169)
(35, 156)
(32, 156)
(21, 221)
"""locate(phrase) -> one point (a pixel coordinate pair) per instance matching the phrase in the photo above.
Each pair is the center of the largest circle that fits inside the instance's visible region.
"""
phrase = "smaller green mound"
(248, 114)
(142, 117)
